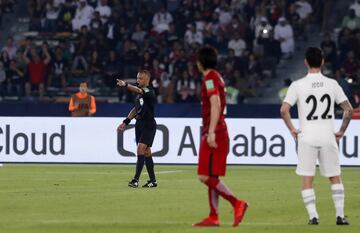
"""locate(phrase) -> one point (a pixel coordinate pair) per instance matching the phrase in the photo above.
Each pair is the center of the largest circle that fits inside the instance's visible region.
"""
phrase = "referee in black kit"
(145, 127)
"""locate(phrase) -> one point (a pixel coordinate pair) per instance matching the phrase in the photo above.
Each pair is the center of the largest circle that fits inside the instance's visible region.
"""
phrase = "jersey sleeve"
(212, 85)
(339, 94)
(148, 93)
(291, 95)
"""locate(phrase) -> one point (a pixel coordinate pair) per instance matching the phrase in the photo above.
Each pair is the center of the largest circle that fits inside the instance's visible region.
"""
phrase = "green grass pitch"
(95, 198)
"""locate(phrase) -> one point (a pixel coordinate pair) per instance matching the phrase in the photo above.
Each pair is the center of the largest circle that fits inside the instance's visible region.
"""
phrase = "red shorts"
(212, 161)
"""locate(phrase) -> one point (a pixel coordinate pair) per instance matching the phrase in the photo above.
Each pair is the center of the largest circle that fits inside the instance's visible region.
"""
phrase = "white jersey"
(315, 96)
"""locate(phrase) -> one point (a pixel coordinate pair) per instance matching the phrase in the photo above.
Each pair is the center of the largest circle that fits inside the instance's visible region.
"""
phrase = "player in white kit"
(315, 96)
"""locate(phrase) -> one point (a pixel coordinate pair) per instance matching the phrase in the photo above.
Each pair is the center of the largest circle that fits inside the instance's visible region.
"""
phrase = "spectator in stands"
(351, 65)
(82, 104)
(51, 15)
(83, 15)
(185, 88)
(96, 24)
(58, 71)
(272, 53)
(79, 65)
(282, 92)
(139, 34)
(237, 44)
(192, 35)
(328, 47)
(111, 32)
(304, 9)
(2, 81)
(224, 12)
(37, 70)
(340, 78)
(262, 31)
(5, 59)
(294, 19)
(15, 79)
(351, 21)
(10, 48)
(95, 67)
(356, 7)
(112, 67)
(104, 10)
(284, 33)
(66, 15)
(161, 20)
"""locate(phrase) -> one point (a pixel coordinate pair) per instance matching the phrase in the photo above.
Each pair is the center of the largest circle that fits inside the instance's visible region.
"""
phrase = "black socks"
(150, 168)
(139, 166)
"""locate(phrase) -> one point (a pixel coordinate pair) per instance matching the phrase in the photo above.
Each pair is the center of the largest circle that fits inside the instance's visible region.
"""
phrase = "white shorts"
(328, 157)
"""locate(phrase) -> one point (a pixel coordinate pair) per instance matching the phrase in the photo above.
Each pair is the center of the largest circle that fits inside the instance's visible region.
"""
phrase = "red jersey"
(37, 72)
(213, 84)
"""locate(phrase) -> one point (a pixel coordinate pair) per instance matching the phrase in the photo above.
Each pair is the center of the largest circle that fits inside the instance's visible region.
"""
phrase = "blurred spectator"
(15, 79)
(104, 10)
(282, 92)
(351, 21)
(328, 47)
(283, 32)
(272, 53)
(5, 58)
(37, 70)
(340, 78)
(351, 65)
(96, 23)
(161, 20)
(58, 71)
(2, 80)
(192, 35)
(185, 88)
(304, 9)
(237, 44)
(79, 65)
(83, 15)
(139, 34)
(356, 7)
(262, 31)
(10, 48)
(66, 15)
(224, 14)
(112, 67)
(51, 15)
(356, 105)
(294, 19)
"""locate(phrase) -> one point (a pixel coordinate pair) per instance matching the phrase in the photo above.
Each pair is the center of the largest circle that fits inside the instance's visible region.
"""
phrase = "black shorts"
(145, 132)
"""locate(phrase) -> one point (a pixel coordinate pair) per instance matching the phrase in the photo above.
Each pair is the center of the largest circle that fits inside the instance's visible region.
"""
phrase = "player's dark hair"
(207, 56)
(145, 72)
(314, 57)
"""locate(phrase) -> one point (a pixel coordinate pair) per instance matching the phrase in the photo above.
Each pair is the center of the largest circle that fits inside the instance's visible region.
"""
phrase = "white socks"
(308, 196)
(338, 196)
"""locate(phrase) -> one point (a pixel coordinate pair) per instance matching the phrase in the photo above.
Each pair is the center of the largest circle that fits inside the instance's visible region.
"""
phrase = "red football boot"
(239, 212)
(211, 221)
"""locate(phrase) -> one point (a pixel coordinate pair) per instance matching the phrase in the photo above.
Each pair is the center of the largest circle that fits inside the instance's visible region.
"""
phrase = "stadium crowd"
(100, 40)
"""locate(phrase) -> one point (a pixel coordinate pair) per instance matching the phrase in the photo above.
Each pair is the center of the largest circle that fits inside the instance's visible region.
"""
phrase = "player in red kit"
(214, 145)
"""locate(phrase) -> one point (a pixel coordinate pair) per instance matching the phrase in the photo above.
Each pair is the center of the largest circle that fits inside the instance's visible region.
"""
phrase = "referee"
(145, 127)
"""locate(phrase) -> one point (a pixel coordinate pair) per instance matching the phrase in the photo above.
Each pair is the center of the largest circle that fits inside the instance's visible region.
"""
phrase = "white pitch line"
(167, 172)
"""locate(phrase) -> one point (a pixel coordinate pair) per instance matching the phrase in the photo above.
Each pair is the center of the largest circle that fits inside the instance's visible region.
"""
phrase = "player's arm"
(92, 106)
(346, 106)
(128, 119)
(131, 88)
(72, 106)
(286, 116)
(25, 56)
(215, 108)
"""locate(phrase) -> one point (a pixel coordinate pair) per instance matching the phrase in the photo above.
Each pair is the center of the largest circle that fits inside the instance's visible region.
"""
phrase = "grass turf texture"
(95, 198)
